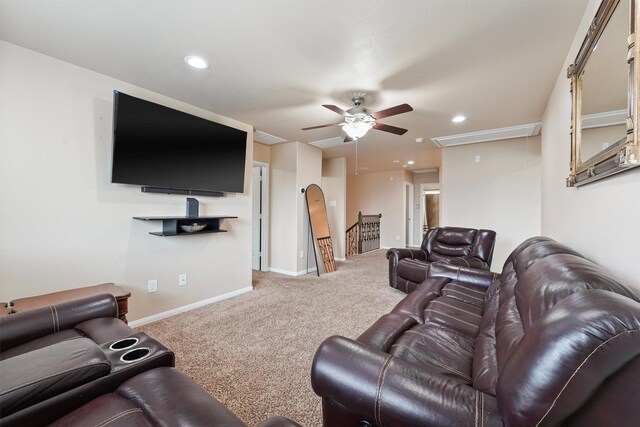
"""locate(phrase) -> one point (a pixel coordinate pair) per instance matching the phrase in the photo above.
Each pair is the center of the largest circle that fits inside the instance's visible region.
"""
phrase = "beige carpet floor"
(254, 352)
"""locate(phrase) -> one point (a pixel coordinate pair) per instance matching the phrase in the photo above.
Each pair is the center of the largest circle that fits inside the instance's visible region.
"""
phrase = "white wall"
(501, 192)
(379, 192)
(283, 208)
(293, 166)
(334, 186)
(309, 171)
(64, 225)
(600, 220)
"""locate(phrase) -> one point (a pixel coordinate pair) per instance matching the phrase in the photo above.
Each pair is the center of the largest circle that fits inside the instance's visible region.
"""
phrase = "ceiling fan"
(358, 120)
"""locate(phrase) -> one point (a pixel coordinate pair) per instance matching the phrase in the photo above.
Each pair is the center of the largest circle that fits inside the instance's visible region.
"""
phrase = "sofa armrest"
(19, 328)
(396, 254)
(462, 274)
(387, 390)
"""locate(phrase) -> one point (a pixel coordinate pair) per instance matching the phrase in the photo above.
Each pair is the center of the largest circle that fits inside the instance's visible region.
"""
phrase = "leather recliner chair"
(465, 247)
(76, 362)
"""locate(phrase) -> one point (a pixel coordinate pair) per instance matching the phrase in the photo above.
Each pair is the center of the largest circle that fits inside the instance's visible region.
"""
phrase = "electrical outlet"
(182, 279)
(152, 286)
(477, 159)
(397, 237)
(301, 254)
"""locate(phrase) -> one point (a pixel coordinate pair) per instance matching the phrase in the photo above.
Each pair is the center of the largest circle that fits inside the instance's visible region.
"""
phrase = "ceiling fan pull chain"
(357, 156)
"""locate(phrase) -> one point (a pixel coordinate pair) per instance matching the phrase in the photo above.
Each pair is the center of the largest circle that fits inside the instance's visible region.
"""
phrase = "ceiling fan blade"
(321, 126)
(398, 109)
(347, 138)
(336, 109)
(391, 129)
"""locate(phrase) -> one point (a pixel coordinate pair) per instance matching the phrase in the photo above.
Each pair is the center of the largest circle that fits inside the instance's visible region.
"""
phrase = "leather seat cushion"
(108, 409)
(467, 293)
(453, 314)
(38, 375)
(442, 350)
(169, 395)
(412, 269)
(47, 340)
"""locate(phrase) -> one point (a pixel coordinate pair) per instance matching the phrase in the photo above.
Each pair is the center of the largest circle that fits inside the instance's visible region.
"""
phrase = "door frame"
(264, 226)
(408, 214)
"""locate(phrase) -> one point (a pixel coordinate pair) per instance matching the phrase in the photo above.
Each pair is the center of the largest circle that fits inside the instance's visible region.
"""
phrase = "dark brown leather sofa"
(55, 359)
(553, 339)
(466, 247)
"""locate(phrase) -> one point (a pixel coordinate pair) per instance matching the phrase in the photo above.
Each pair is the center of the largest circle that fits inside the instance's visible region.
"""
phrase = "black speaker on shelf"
(192, 207)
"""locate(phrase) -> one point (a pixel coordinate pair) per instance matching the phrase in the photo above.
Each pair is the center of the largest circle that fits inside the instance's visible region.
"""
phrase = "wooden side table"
(120, 293)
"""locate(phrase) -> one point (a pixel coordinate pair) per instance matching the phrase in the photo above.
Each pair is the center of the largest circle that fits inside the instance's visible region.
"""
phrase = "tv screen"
(158, 146)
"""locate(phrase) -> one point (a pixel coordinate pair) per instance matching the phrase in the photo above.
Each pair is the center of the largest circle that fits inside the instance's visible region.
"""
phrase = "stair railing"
(364, 235)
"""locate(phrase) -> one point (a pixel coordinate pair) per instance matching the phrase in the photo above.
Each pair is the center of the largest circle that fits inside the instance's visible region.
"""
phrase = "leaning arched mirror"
(603, 86)
(319, 222)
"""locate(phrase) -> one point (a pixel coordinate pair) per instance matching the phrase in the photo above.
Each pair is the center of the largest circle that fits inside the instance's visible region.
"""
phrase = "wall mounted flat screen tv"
(158, 146)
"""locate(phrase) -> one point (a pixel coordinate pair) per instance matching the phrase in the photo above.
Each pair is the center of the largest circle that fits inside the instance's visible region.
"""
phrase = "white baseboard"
(178, 310)
(293, 273)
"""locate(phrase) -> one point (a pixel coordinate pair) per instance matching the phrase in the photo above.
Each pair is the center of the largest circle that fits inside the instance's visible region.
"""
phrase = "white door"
(256, 223)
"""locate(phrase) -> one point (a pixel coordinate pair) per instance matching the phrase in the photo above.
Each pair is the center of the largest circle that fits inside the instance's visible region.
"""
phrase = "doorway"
(408, 209)
(259, 221)
(429, 206)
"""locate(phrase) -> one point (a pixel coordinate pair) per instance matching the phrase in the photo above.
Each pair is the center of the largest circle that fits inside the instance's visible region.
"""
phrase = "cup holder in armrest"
(135, 355)
(124, 344)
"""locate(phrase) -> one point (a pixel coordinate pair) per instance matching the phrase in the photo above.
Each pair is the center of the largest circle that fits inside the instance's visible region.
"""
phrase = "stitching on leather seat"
(456, 308)
(481, 409)
(466, 289)
(444, 344)
(476, 410)
(454, 318)
(462, 293)
(433, 361)
(117, 416)
(55, 311)
(53, 319)
(578, 368)
(376, 404)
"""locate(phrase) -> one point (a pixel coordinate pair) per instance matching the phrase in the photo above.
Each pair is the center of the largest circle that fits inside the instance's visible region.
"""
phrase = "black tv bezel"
(151, 188)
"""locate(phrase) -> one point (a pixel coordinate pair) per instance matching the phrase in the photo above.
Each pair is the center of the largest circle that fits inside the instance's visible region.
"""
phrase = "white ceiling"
(274, 62)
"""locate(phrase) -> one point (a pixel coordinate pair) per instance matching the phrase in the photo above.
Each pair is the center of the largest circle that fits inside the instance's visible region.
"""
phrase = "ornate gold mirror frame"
(618, 157)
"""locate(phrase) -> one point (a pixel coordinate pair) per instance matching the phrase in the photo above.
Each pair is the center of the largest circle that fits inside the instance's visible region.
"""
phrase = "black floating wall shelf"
(173, 225)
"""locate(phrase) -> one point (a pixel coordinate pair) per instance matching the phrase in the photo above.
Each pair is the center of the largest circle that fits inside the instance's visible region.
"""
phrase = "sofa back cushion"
(563, 359)
(557, 316)
(443, 243)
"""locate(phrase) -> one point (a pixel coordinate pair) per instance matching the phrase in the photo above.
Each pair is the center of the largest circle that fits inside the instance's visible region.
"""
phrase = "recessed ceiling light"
(410, 162)
(396, 162)
(419, 140)
(458, 119)
(196, 62)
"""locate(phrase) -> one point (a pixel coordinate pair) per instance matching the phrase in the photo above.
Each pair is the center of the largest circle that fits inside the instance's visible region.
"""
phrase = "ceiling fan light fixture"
(357, 129)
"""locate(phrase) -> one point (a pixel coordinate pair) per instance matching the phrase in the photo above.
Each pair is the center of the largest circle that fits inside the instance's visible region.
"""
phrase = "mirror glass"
(320, 233)
(604, 89)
